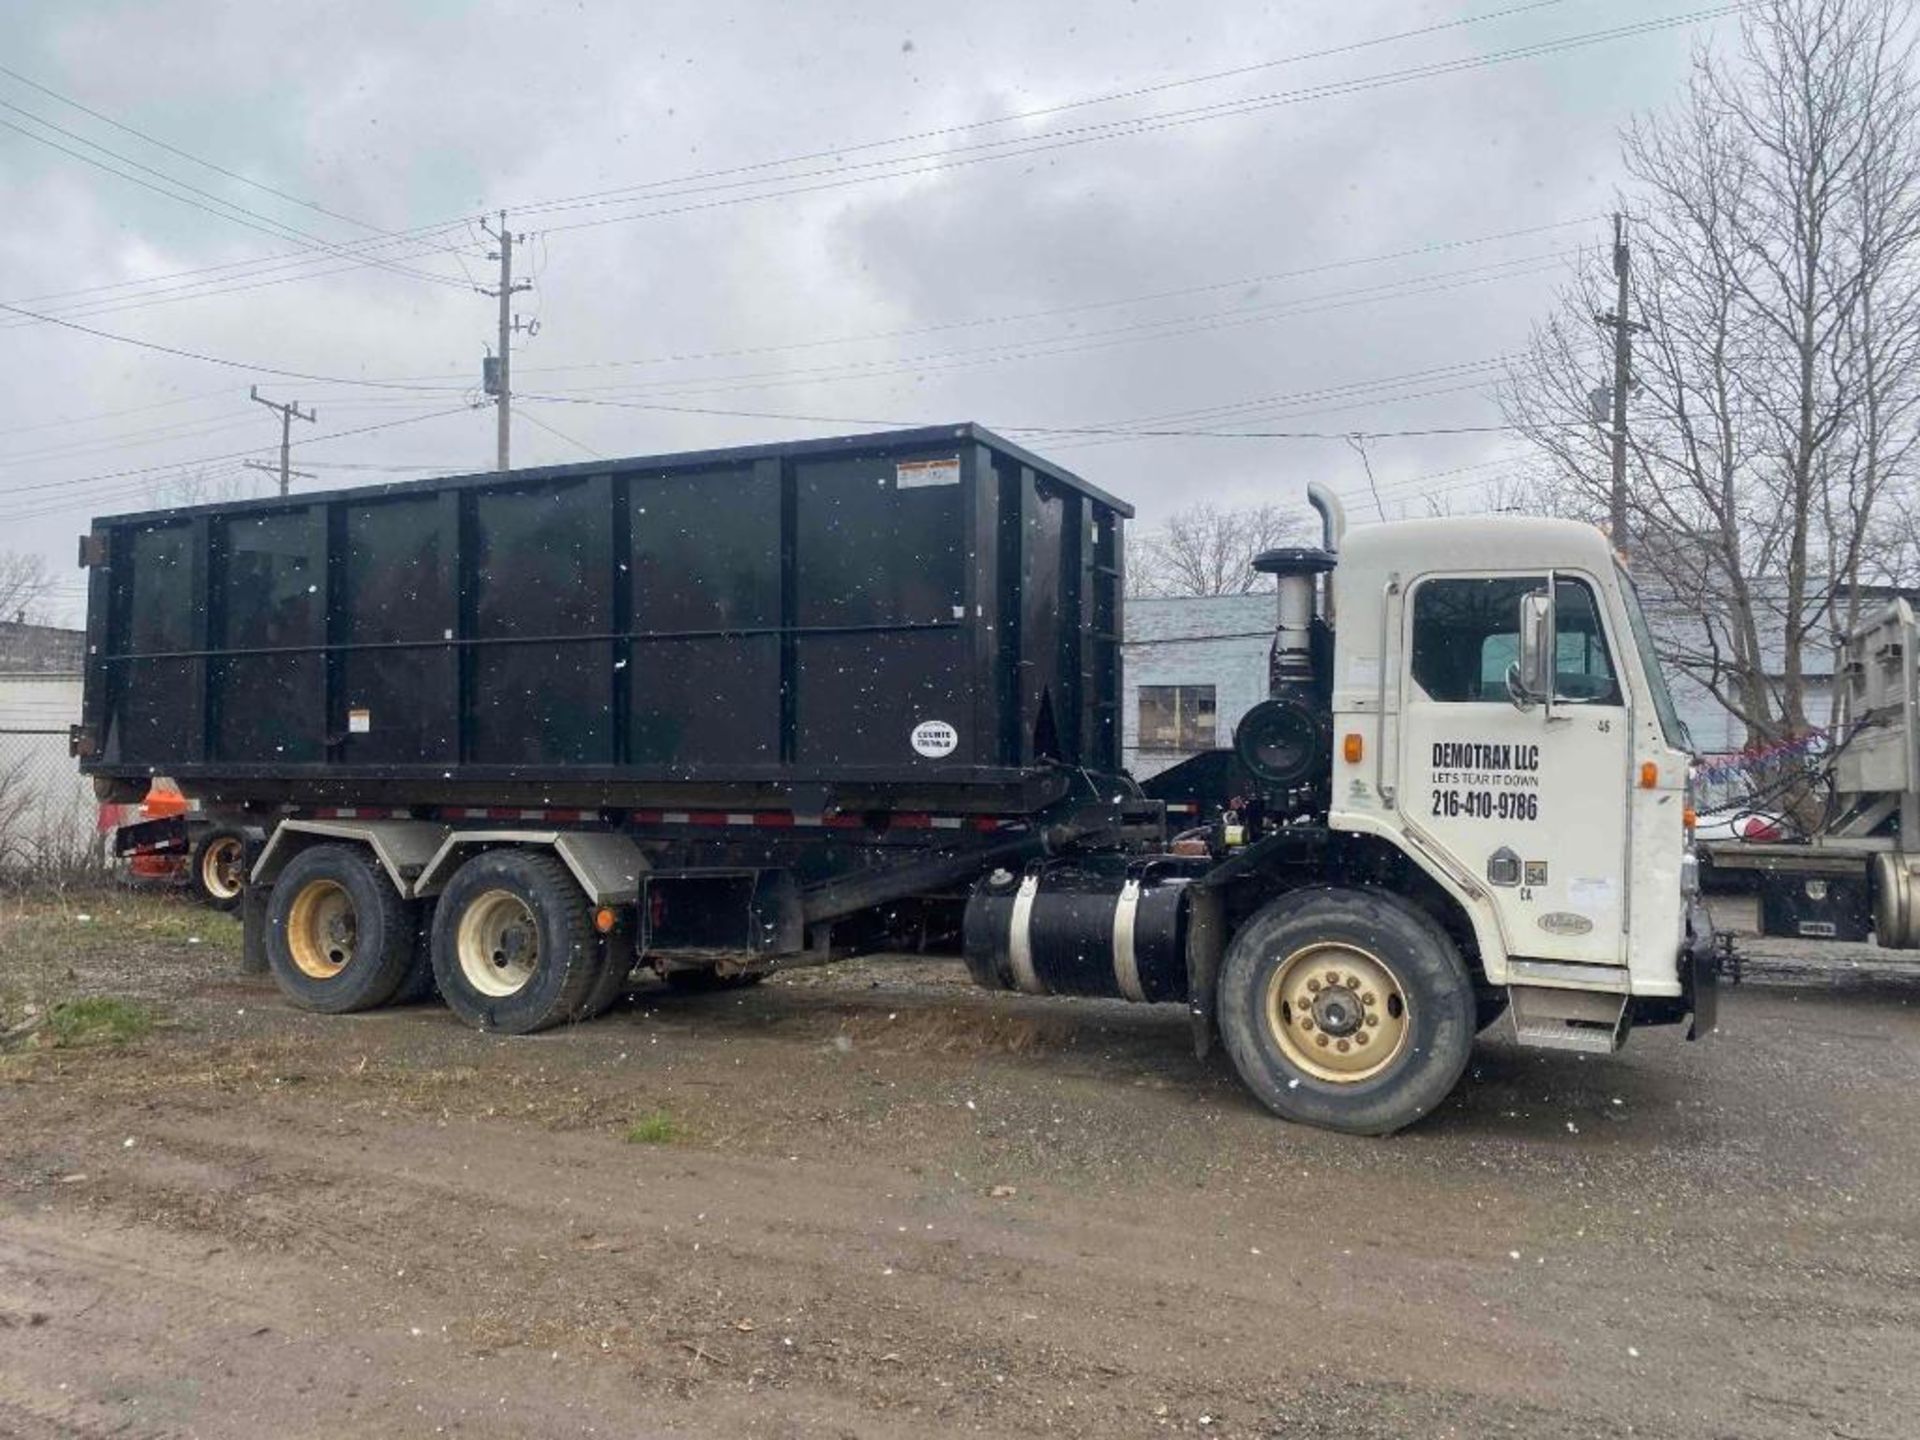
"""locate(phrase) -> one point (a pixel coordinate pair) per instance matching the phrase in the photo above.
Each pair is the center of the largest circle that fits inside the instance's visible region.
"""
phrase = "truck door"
(1532, 801)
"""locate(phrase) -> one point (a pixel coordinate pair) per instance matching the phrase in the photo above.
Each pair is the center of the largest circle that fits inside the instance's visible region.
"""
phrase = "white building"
(1194, 665)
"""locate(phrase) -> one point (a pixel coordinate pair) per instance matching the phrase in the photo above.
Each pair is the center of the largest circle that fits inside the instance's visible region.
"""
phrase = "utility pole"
(499, 375)
(288, 413)
(1623, 330)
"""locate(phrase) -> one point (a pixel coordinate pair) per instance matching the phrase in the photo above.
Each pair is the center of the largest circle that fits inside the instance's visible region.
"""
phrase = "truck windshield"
(1671, 724)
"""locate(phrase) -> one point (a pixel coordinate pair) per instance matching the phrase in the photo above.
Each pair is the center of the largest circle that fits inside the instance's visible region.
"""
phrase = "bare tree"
(1205, 550)
(25, 585)
(1776, 409)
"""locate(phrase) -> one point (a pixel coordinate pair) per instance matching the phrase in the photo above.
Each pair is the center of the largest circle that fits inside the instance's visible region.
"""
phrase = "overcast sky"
(1200, 246)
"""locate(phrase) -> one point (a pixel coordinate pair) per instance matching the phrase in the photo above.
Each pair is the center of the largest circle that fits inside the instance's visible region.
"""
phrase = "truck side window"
(1465, 637)
(1582, 669)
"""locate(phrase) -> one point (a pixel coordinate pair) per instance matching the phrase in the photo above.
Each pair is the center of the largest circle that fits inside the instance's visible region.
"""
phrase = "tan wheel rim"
(1337, 1012)
(220, 868)
(498, 943)
(322, 929)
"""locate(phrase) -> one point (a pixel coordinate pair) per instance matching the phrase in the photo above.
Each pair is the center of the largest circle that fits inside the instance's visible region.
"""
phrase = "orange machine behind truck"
(165, 840)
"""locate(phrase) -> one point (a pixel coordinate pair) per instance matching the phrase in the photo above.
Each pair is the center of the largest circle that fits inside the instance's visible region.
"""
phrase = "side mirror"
(1530, 678)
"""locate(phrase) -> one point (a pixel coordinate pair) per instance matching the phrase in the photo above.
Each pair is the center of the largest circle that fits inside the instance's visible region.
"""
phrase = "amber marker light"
(1649, 774)
(605, 918)
(1690, 818)
(1353, 748)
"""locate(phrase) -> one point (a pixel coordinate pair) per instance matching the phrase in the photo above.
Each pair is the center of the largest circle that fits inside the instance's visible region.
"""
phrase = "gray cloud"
(405, 115)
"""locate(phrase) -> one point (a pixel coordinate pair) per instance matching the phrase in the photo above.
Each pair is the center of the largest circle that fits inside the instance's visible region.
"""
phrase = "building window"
(1466, 634)
(1177, 717)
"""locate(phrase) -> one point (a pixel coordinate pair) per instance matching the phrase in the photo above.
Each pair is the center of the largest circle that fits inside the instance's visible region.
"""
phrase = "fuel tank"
(1102, 925)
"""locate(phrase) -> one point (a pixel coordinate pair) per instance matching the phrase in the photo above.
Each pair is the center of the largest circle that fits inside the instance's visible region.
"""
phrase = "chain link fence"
(50, 827)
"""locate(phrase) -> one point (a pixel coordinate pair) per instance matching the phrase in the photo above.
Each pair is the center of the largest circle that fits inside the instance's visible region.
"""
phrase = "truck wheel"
(1346, 1009)
(339, 937)
(217, 869)
(513, 943)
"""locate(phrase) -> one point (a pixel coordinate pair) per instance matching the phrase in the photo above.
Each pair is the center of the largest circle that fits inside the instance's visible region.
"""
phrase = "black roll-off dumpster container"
(919, 618)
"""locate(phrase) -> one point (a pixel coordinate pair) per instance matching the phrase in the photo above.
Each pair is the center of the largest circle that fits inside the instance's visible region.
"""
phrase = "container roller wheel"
(217, 869)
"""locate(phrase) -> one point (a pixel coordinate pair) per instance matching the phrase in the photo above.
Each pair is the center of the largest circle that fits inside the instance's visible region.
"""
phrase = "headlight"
(1689, 873)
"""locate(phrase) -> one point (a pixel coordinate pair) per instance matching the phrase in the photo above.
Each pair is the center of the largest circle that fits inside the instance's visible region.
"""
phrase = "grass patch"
(659, 1128)
(97, 1020)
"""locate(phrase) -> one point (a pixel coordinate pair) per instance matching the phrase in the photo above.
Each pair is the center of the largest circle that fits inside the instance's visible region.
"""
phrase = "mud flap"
(1706, 953)
(253, 929)
(1206, 945)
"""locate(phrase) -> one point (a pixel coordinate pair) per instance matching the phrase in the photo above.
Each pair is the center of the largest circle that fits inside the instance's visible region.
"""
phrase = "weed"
(97, 1020)
(659, 1128)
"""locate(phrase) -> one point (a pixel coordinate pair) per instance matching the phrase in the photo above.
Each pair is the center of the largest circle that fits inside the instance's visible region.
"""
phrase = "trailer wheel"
(1346, 1009)
(217, 869)
(513, 943)
(339, 937)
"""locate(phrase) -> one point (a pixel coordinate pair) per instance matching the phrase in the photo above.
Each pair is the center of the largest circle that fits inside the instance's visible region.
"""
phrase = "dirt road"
(873, 1202)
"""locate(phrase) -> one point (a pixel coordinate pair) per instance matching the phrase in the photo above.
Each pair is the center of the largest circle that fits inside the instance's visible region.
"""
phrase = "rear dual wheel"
(514, 948)
(339, 937)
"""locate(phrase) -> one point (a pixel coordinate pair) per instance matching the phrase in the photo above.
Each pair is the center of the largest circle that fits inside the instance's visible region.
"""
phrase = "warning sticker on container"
(359, 722)
(923, 474)
(935, 738)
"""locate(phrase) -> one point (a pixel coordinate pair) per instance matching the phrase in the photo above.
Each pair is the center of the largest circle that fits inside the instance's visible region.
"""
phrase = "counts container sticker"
(935, 738)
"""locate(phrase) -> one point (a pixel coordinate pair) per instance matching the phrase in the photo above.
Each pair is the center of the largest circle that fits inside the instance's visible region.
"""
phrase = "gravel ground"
(872, 1201)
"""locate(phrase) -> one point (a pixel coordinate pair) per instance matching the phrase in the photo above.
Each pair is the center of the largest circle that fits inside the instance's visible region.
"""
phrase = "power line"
(234, 455)
(159, 434)
(184, 354)
(159, 144)
(1081, 342)
(241, 215)
(894, 424)
(1041, 112)
(1092, 134)
(1287, 400)
(1083, 307)
(559, 434)
(246, 269)
(1181, 117)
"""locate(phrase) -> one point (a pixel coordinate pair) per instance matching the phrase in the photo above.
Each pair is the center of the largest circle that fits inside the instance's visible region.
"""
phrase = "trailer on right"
(1856, 872)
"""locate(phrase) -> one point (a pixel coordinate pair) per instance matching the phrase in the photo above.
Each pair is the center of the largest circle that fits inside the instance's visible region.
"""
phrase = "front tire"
(1346, 1009)
(513, 944)
(339, 937)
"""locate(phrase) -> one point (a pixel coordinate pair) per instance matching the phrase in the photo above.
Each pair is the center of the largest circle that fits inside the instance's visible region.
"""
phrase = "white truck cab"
(1500, 717)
